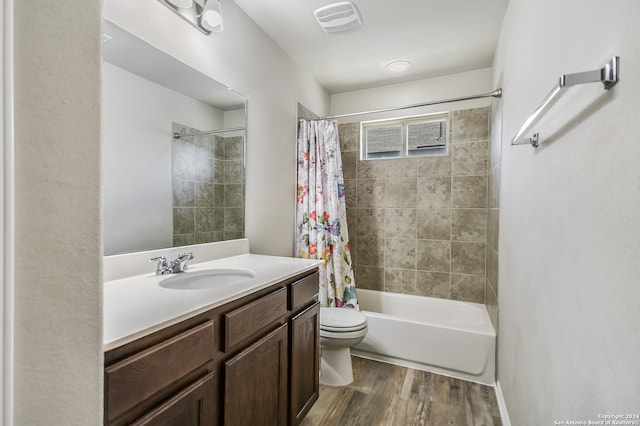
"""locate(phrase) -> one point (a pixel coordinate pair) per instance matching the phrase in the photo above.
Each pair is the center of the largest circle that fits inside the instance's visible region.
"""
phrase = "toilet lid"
(341, 319)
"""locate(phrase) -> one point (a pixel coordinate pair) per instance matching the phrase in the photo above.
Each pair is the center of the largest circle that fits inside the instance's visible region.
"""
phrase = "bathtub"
(437, 335)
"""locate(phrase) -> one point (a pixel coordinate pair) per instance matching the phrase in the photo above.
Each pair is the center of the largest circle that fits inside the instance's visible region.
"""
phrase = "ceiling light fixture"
(182, 4)
(398, 66)
(338, 17)
(211, 18)
(204, 15)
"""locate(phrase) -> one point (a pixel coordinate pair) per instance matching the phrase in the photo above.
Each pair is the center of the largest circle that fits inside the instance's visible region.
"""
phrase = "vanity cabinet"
(254, 360)
(255, 384)
(140, 389)
(305, 362)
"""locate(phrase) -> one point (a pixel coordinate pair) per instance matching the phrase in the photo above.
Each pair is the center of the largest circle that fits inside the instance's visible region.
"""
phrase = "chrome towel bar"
(608, 76)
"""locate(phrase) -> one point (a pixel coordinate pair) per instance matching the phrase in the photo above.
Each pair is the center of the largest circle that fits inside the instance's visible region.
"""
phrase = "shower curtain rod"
(495, 94)
(208, 132)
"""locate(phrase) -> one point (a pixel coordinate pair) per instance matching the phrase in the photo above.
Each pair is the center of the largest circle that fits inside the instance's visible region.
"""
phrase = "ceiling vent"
(338, 17)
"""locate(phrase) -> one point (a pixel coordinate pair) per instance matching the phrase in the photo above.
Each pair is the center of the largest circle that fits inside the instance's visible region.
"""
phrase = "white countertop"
(137, 306)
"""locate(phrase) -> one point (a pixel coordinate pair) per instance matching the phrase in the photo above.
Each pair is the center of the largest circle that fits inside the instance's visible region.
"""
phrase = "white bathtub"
(442, 336)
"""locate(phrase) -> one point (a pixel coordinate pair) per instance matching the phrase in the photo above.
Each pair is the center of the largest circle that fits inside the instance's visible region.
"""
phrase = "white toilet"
(340, 329)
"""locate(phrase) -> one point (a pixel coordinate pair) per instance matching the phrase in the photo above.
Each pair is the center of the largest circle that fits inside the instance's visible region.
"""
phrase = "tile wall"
(419, 225)
(208, 188)
(493, 212)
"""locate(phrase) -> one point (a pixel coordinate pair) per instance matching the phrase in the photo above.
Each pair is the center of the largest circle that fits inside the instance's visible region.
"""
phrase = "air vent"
(338, 17)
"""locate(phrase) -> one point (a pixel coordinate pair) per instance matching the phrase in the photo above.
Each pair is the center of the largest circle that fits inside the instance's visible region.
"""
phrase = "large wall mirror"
(173, 150)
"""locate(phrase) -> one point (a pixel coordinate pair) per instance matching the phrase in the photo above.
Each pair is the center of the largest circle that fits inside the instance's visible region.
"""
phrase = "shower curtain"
(321, 212)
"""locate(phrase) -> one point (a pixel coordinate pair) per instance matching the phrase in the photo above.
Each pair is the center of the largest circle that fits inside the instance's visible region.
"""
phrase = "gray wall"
(569, 230)
(58, 273)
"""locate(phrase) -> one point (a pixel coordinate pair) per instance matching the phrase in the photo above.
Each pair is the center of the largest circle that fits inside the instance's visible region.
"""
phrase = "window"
(404, 137)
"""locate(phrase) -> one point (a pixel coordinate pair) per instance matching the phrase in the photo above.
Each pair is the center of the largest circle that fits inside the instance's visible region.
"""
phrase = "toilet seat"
(341, 320)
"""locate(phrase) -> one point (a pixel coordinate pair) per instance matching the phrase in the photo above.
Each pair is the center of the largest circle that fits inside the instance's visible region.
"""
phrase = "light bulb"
(211, 17)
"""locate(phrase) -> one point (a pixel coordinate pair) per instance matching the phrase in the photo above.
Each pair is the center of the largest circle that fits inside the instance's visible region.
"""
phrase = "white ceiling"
(438, 37)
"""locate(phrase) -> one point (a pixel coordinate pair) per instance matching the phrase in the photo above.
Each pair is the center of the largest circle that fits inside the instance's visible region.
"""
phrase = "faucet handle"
(162, 264)
(185, 256)
(180, 264)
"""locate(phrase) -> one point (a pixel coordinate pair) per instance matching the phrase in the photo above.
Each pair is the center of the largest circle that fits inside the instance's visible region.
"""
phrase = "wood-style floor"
(386, 394)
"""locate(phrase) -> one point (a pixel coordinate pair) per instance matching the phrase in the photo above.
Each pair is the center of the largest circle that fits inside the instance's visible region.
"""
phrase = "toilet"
(340, 329)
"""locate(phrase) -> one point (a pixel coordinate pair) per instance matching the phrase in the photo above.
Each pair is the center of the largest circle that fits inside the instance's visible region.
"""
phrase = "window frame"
(404, 122)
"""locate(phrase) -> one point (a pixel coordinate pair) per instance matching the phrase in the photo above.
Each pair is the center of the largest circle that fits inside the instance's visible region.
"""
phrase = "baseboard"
(502, 406)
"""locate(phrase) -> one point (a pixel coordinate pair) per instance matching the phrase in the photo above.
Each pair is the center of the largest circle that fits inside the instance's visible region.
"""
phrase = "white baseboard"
(502, 406)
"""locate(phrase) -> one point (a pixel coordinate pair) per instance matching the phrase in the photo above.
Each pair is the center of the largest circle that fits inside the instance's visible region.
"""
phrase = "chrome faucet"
(175, 266)
(180, 264)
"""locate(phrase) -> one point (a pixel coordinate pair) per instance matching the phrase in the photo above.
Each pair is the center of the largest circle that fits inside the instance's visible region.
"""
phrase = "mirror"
(160, 191)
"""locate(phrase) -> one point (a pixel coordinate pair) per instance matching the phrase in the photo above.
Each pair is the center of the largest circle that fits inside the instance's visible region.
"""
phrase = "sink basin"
(210, 278)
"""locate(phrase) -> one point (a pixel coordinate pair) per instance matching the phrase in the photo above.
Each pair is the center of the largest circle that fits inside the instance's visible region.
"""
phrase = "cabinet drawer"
(191, 406)
(140, 376)
(249, 321)
(303, 291)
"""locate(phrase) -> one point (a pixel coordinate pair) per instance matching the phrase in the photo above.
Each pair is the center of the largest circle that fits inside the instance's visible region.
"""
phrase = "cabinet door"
(255, 383)
(194, 406)
(305, 359)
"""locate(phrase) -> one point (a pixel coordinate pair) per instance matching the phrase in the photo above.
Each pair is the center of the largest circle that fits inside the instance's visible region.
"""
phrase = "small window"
(404, 137)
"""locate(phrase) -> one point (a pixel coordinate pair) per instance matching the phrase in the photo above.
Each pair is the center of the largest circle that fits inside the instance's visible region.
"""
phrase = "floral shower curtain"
(321, 212)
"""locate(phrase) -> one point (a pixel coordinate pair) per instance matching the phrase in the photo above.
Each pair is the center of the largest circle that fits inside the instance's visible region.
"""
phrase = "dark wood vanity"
(252, 361)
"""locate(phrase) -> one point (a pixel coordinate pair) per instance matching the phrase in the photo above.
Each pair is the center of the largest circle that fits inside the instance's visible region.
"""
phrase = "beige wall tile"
(469, 225)
(204, 220)
(495, 137)
(205, 194)
(470, 158)
(234, 195)
(435, 166)
(349, 136)
(469, 191)
(492, 307)
(404, 213)
(233, 171)
(370, 223)
(400, 253)
(471, 125)
(433, 224)
(351, 193)
(371, 193)
(349, 164)
(402, 168)
(468, 288)
(371, 169)
(233, 220)
(218, 219)
(370, 251)
(203, 169)
(400, 281)
(400, 223)
(400, 193)
(433, 284)
(183, 193)
(494, 187)
(234, 148)
(369, 277)
(218, 147)
(203, 237)
(183, 220)
(433, 256)
(493, 218)
(183, 239)
(218, 171)
(434, 192)
(492, 270)
(468, 258)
